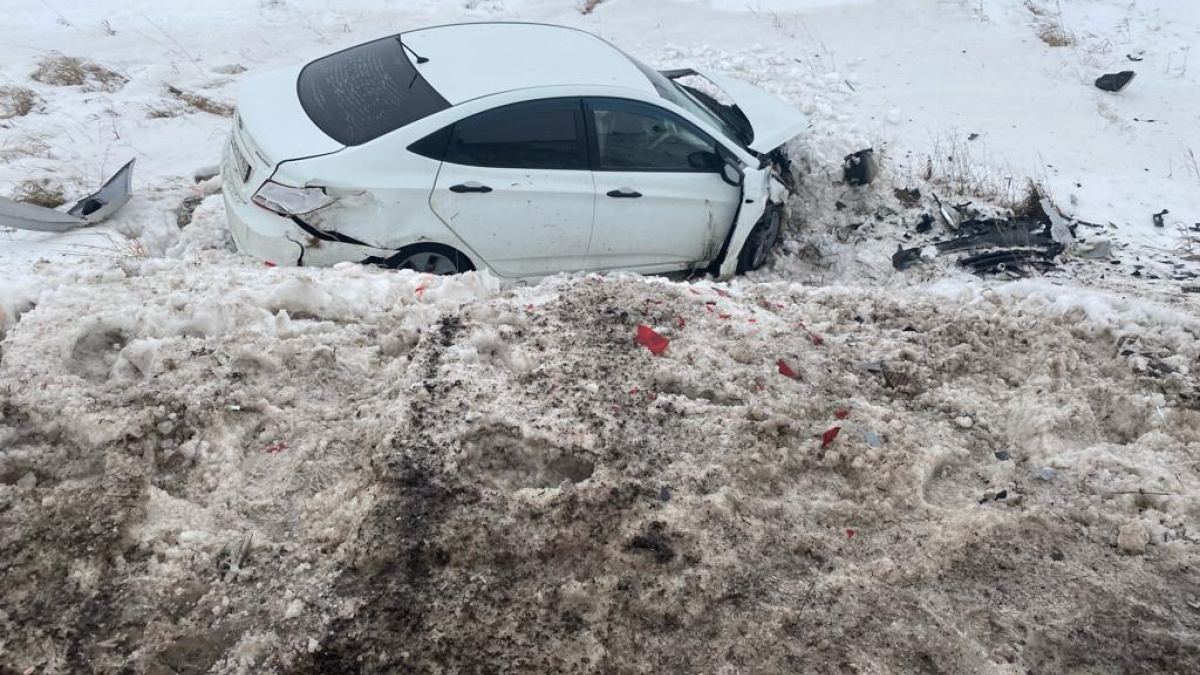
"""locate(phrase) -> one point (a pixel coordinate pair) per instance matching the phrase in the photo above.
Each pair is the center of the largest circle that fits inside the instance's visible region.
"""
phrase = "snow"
(209, 465)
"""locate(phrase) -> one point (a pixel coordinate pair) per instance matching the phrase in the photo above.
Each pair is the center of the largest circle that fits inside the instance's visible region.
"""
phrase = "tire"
(762, 240)
(431, 259)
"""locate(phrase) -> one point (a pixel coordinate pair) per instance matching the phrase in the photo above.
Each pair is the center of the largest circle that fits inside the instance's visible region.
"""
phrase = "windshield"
(364, 92)
(678, 95)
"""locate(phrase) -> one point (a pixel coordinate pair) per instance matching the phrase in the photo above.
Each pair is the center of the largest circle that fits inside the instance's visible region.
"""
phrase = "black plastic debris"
(860, 168)
(1003, 456)
(926, 224)
(1115, 82)
(1158, 218)
(994, 246)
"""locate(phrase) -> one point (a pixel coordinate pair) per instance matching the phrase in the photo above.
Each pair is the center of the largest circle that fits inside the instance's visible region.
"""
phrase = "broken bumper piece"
(993, 246)
(91, 209)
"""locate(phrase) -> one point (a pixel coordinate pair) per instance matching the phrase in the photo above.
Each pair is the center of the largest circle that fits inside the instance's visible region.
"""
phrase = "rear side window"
(533, 135)
(364, 92)
(635, 136)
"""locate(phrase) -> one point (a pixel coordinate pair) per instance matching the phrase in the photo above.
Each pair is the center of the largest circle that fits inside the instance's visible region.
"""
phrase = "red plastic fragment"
(785, 369)
(724, 316)
(842, 414)
(269, 264)
(816, 339)
(723, 294)
(708, 307)
(648, 338)
(828, 436)
(682, 323)
(276, 448)
(850, 533)
(694, 291)
(634, 391)
(752, 321)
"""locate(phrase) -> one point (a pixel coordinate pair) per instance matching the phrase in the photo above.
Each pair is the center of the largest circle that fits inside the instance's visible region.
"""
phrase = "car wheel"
(761, 241)
(430, 259)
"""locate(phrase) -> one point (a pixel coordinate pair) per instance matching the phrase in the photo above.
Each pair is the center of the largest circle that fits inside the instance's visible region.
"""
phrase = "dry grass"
(965, 168)
(17, 102)
(589, 6)
(42, 192)
(1193, 165)
(1055, 35)
(70, 71)
(1049, 24)
(198, 102)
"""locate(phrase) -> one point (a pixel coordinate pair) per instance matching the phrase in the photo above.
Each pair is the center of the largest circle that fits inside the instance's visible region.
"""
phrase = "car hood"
(269, 112)
(773, 120)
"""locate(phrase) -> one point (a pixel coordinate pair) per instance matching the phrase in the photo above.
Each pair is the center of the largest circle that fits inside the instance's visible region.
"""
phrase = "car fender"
(756, 193)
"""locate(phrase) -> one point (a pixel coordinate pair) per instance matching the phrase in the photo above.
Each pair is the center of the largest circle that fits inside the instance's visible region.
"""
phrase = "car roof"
(472, 60)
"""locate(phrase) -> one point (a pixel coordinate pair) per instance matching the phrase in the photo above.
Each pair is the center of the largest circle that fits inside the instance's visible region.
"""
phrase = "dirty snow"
(207, 465)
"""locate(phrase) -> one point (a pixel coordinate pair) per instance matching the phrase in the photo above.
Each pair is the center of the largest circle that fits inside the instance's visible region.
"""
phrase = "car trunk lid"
(272, 124)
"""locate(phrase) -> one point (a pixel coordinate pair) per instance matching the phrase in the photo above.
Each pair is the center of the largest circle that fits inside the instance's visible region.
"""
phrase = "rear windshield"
(364, 92)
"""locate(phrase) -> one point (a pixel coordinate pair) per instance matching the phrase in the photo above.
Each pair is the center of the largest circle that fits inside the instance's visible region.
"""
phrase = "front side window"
(634, 136)
(533, 135)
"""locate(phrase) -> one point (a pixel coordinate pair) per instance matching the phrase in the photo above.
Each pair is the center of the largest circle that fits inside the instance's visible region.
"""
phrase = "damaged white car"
(523, 149)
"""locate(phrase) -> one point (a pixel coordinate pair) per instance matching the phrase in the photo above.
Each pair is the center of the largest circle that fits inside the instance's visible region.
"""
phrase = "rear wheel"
(761, 241)
(430, 259)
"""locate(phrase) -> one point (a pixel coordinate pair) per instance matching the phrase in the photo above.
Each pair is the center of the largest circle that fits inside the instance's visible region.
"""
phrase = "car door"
(515, 185)
(661, 203)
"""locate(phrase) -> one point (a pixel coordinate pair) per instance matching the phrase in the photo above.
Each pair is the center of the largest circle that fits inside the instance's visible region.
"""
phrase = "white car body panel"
(542, 221)
(756, 193)
(680, 219)
(269, 105)
(532, 223)
(774, 121)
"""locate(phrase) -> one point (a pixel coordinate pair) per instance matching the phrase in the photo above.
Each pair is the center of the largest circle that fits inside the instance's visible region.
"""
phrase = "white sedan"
(523, 149)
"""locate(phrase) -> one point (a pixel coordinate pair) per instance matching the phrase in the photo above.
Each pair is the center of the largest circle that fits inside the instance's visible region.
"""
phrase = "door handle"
(625, 193)
(470, 186)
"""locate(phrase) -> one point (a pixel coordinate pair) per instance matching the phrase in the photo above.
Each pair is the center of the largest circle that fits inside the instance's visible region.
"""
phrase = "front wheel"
(430, 259)
(761, 241)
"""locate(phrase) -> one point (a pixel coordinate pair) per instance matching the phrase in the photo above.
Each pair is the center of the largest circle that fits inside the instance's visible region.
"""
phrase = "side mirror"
(731, 173)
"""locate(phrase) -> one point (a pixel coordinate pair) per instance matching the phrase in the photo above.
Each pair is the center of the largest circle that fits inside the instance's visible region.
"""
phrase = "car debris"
(993, 245)
(860, 168)
(92, 209)
(1115, 82)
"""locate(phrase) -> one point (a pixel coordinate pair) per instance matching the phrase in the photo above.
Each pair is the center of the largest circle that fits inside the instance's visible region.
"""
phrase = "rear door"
(661, 203)
(515, 185)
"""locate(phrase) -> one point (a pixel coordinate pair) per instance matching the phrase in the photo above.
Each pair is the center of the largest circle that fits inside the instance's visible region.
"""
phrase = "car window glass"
(534, 135)
(633, 136)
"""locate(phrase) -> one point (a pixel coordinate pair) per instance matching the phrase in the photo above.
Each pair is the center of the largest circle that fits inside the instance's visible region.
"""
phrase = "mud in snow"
(219, 470)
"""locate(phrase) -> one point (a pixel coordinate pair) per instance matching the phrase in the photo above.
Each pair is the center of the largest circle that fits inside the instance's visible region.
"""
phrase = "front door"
(661, 203)
(516, 187)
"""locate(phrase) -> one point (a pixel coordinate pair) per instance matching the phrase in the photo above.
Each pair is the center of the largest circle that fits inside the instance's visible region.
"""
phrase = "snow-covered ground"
(207, 465)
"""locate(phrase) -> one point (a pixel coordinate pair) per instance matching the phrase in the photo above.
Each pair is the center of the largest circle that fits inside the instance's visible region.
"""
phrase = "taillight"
(291, 201)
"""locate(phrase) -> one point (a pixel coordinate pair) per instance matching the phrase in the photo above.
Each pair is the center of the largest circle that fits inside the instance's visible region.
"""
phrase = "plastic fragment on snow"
(850, 533)
(1047, 474)
(816, 339)
(722, 293)
(872, 439)
(1115, 82)
(1003, 456)
(650, 339)
(828, 436)
(785, 369)
(276, 448)
(681, 321)
(842, 414)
